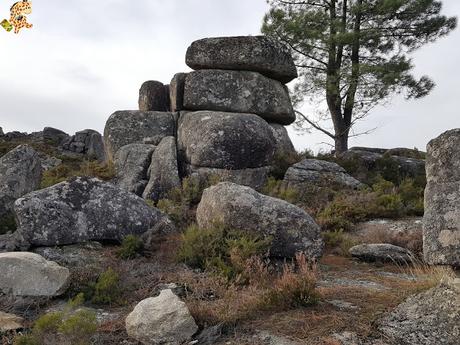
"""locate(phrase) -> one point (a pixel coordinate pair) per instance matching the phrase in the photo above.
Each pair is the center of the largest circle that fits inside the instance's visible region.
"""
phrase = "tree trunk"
(341, 143)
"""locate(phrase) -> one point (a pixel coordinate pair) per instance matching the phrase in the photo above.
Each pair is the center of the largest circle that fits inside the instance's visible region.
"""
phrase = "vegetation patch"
(131, 247)
(7, 223)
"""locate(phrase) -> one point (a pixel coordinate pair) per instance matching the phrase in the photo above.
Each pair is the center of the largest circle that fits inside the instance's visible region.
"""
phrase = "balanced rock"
(284, 144)
(161, 320)
(163, 171)
(238, 92)
(322, 173)
(29, 274)
(20, 173)
(131, 164)
(176, 91)
(291, 229)
(224, 140)
(137, 127)
(154, 96)
(441, 222)
(255, 178)
(429, 318)
(247, 53)
(382, 252)
(81, 210)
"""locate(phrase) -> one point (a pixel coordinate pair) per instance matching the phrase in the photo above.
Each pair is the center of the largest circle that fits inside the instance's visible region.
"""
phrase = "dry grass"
(412, 240)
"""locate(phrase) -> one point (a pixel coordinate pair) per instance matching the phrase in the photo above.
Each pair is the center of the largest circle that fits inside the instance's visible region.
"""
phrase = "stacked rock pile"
(225, 118)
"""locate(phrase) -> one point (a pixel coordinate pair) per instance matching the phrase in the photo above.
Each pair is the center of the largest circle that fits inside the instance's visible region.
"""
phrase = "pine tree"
(354, 54)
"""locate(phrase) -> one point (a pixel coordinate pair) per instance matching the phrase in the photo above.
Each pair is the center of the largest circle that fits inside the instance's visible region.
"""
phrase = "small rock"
(382, 252)
(54, 136)
(29, 274)
(161, 320)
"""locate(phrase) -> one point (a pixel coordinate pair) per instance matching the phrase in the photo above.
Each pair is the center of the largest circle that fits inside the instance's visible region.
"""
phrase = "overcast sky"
(85, 59)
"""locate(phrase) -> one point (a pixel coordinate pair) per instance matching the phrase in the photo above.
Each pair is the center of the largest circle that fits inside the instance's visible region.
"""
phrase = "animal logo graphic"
(18, 19)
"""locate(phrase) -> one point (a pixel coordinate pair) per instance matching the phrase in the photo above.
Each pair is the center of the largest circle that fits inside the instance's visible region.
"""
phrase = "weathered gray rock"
(255, 178)
(54, 136)
(161, 320)
(20, 173)
(29, 274)
(247, 53)
(81, 210)
(49, 162)
(284, 144)
(238, 92)
(154, 96)
(131, 164)
(382, 252)
(443, 158)
(429, 318)
(176, 91)
(322, 173)
(86, 142)
(292, 230)
(10, 322)
(137, 127)
(224, 140)
(441, 223)
(1, 132)
(163, 171)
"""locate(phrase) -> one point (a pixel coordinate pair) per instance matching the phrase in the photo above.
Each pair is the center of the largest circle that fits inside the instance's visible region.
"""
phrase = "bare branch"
(315, 125)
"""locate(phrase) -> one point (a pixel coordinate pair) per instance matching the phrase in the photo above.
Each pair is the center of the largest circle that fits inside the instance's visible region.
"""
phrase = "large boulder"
(81, 210)
(382, 252)
(245, 53)
(163, 171)
(321, 173)
(224, 140)
(284, 144)
(154, 96)
(429, 318)
(238, 92)
(161, 320)
(176, 91)
(291, 229)
(255, 178)
(137, 127)
(131, 164)
(29, 274)
(441, 223)
(20, 173)
(54, 136)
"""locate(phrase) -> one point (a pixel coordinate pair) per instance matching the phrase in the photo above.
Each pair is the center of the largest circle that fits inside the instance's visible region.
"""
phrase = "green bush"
(220, 250)
(106, 290)
(338, 239)
(282, 162)
(75, 326)
(130, 247)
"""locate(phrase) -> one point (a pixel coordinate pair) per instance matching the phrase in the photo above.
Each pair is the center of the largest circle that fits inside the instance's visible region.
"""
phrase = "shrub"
(337, 239)
(130, 247)
(106, 290)
(75, 326)
(278, 189)
(296, 287)
(75, 167)
(7, 223)
(220, 250)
